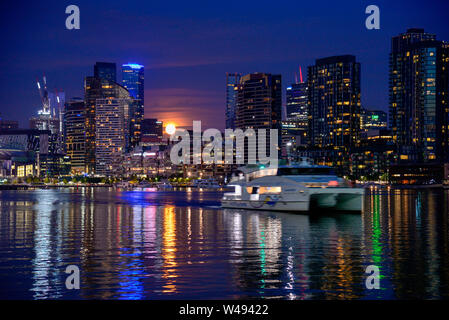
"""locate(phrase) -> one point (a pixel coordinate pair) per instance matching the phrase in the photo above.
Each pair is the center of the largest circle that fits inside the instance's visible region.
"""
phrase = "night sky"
(187, 46)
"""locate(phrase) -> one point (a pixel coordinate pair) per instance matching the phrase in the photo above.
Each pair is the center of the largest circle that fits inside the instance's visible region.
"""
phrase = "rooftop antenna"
(300, 74)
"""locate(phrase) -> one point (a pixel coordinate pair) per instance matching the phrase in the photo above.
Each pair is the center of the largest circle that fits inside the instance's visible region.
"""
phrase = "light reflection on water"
(176, 244)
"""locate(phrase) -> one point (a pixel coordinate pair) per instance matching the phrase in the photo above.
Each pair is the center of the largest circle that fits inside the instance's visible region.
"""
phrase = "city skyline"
(235, 153)
(188, 83)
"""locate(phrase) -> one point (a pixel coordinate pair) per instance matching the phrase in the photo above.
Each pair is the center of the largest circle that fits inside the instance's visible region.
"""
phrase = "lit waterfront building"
(293, 135)
(95, 89)
(259, 105)
(31, 152)
(110, 140)
(133, 81)
(419, 104)
(75, 134)
(371, 159)
(334, 106)
(334, 101)
(232, 81)
(373, 119)
(259, 102)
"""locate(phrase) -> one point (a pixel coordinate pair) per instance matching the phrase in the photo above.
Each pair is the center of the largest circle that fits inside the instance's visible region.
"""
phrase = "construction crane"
(43, 92)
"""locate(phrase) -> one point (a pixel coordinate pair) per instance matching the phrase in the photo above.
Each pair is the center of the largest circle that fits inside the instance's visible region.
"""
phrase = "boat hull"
(335, 199)
(290, 206)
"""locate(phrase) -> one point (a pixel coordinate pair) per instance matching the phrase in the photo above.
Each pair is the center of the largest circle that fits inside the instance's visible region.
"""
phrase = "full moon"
(170, 128)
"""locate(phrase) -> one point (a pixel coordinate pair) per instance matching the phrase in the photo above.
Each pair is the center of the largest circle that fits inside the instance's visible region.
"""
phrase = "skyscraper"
(418, 101)
(133, 80)
(75, 134)
(111, 136)
(259, 106)
(105, 70)
(232, 81)
(99, 89)
(334, 110)
(334, 102)
(259, 102)
(296, 96)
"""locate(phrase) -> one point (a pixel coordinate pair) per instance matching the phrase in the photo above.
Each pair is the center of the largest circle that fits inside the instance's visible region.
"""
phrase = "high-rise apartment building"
(232, 81)
(259, 106)
(259, 101)
(75, 134)
(111, 136)
(419, 103)
(334, 102)
(100, 89)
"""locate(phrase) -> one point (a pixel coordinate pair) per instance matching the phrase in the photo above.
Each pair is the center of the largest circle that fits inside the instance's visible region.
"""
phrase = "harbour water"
(149, 244)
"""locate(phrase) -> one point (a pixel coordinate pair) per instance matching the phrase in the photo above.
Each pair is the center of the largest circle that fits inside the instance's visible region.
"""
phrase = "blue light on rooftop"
(133, 65)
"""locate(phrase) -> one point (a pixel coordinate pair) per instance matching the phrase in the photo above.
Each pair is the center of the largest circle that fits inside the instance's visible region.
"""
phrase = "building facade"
(334, 106)
(110, 141)
(152, 131)
(259, 106)
(296, 102)
(75, 134)
(105, 70)
(259, 102)
(418, 96)
(99, 89)
(232, 81)
(373, 120)
(133, 80)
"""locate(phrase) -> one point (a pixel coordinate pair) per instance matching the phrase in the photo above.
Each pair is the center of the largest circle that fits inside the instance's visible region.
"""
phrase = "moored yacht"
(205, 183)
(292, 188)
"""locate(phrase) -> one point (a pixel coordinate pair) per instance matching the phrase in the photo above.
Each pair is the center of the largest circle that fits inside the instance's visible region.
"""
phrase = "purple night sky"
(187, 46)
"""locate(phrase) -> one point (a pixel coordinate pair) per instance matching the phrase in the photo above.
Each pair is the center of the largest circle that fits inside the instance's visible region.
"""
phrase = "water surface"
(148, 244)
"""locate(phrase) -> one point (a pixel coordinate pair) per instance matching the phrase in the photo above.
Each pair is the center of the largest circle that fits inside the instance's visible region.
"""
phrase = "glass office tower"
(133, 80)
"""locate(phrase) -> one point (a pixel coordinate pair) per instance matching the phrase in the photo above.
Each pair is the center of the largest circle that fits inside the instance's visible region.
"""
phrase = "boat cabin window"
(305, 171)
(264, 190)
(270, 190)
(252, 190)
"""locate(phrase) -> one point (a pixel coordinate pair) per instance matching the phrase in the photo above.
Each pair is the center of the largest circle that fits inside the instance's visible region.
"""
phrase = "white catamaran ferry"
(291, 188)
